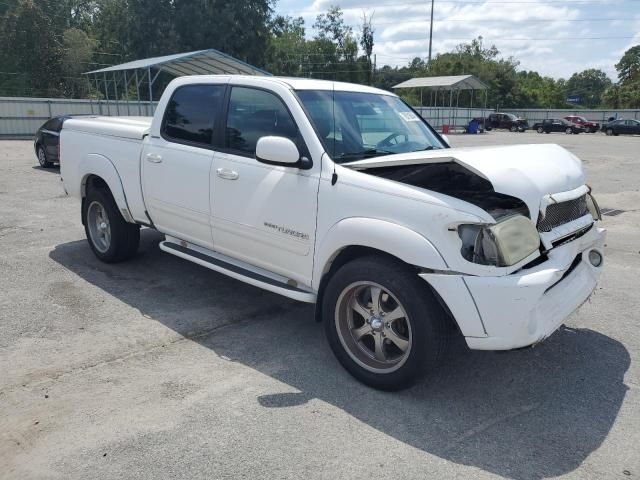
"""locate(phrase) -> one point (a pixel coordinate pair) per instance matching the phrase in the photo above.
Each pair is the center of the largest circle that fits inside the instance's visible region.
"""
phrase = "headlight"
(502, 244)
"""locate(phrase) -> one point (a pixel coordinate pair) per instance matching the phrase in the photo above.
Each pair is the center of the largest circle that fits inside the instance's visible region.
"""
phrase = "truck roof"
(294, 83)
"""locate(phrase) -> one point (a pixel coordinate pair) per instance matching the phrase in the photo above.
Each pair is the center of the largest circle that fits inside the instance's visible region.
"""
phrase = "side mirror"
(280, 151)
(446, 139)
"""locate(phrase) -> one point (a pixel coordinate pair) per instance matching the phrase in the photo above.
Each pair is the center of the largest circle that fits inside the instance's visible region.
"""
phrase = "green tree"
(331, 25)
(629, 65)
(286, 50)
(626, 93)
(31, 50)
(589, 85)
(366, 42)
(77, 55)
(239, 28)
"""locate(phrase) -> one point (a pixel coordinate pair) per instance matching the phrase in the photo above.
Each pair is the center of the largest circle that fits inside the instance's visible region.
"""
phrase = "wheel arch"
(358, 237)
(99, 172)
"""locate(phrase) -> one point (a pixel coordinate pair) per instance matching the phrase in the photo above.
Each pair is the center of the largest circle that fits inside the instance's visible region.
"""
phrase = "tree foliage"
(48, 44)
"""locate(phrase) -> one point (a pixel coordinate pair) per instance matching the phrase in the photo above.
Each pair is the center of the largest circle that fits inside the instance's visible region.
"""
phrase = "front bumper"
(517, 310)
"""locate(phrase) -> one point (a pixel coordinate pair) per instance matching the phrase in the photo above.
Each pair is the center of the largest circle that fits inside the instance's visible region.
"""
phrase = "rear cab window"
(191, 113)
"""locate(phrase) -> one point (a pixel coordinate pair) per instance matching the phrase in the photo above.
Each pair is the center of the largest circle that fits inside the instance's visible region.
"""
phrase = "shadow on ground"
(526, 414)
(54, 169)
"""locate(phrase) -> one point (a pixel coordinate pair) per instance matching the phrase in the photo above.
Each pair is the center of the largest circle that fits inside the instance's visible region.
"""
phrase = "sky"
(553, 37)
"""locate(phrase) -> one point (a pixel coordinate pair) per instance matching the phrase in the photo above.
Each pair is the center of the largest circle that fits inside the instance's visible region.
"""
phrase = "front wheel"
(110, 237)
(513, 128)
(540, 130)
(383, 323)
(568, 131)
(609, 132)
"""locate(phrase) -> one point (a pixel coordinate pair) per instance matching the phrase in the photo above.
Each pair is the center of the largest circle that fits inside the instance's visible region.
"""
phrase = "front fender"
(101, 166)
(401, 242)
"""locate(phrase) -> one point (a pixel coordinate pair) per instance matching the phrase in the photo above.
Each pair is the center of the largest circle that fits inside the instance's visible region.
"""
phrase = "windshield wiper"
(368, 153)
(429, 147)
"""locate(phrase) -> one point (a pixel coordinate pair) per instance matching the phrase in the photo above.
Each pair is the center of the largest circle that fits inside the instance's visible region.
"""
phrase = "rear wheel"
(540, 130)
(110, 237)
(609, 132)
(42, 158)
(568, 130)
(383, 323)
(513, 128)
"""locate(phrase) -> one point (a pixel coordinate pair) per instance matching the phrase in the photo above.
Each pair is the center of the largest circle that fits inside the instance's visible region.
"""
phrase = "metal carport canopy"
(200, 62)
(454, 82)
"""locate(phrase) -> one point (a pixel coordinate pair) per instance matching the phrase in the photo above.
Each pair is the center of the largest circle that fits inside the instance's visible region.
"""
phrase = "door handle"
(227, 174)
(154, 158)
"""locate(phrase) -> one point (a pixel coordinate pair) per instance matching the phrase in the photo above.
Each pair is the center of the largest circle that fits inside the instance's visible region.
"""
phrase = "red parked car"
(588, 125)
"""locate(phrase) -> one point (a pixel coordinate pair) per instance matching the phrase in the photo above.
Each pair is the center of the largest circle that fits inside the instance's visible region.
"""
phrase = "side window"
(253, 114)
(191, 113)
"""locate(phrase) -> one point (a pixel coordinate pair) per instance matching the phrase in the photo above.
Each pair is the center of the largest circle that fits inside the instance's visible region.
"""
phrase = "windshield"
(362, 125)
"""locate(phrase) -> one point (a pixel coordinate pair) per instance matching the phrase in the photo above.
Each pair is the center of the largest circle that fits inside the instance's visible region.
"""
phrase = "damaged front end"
(510, 240)
(519, 231)
(512, 281)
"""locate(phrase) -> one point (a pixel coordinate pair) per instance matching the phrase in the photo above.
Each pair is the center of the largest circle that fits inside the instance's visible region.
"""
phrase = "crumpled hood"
(527, 172)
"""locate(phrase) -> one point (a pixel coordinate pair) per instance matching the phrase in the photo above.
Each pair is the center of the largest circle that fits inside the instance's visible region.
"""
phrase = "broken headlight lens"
(503, 244)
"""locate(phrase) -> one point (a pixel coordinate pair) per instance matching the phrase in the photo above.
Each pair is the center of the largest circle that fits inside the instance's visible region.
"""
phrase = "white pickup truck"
(342, 195)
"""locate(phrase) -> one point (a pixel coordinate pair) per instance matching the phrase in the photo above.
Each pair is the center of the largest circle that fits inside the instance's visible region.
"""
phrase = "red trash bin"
(445, 129)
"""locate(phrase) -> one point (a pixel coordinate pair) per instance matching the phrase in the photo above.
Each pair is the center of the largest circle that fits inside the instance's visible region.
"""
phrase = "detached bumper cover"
(512, 311)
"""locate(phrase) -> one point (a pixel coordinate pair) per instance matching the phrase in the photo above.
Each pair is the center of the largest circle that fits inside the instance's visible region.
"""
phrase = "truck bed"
(124, 127)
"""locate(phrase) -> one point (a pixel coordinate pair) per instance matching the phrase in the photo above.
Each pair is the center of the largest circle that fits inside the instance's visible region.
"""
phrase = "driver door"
(264, 215)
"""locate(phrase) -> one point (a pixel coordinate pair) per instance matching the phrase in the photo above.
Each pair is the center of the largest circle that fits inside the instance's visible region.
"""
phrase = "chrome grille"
(564, 212)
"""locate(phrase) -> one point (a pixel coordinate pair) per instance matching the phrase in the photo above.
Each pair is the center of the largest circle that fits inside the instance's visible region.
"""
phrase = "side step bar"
(255, 276)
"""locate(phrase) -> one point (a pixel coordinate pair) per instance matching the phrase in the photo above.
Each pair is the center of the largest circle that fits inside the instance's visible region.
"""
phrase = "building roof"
(200, 62)
(455, 82)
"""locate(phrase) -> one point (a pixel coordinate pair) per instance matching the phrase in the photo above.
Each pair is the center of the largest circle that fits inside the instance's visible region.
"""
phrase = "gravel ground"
(158, 368)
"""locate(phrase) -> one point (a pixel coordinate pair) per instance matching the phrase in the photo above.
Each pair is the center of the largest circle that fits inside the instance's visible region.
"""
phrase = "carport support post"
(450, 105)
(150, 89)
(115, 89)
(106, 92)
(126, 91)
(138, 92)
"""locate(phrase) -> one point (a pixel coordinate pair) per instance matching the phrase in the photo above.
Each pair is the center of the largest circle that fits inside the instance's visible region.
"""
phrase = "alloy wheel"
(99, 227)
(373, 327)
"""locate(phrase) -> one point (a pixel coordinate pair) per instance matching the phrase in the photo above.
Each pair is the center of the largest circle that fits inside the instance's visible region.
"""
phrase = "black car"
(628, 127)
(557, 125)
(47, 141)
(507, 121)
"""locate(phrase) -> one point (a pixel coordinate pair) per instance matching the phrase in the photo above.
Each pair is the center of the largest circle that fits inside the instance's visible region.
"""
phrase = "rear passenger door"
(176, 165)
(263, 214)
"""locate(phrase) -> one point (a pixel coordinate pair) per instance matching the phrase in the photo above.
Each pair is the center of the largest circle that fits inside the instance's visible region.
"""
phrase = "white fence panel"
(21, 116)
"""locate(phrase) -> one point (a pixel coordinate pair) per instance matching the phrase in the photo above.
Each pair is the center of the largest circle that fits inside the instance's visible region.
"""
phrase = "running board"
(255, 276)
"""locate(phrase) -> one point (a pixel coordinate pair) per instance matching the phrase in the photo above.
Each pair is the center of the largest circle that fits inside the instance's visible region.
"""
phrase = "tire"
(540, 130)
(568, 131)
(42, 158)
(421, 325)
(513, 128)
(488, 129)
(609, 132)
(111, 238)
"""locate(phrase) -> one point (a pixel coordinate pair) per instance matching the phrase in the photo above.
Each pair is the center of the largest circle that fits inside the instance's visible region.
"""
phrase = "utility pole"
(430, 33)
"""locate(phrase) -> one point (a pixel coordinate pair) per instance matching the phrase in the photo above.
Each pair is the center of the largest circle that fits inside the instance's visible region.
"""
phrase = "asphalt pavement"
(159, 368)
